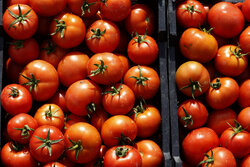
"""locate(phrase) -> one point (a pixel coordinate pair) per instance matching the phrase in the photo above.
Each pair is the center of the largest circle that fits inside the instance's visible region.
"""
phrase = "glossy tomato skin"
(198, 45)
(54, 164)
(71, 119)
(244, 97)
(20, 31)
(98, 118)
(195, 17)
(21, 121)
(245, 10)
(132, 158)
(245, 162)
(12, 2)
(244, 40)
(226, 19)
(12, 70)
(125, 63)
(19, 102)
(243, 118)
(202, 139)
(47, 76)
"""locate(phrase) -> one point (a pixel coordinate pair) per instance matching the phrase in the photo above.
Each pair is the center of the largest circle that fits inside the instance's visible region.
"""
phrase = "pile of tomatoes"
(82, 79)
(213, 81)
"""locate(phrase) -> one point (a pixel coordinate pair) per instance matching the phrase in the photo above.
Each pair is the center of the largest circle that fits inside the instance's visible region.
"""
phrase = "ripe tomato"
(48, 7)
(99, 161)
(244, 98)
(13, 155)
(23, 51)
(226, 19)
(46, 143)
(143, 80)
(141, 19)
(142, 49)
(41, 78)
(12, 2)
(122, 156)
(125, 63)
(244, 40)
(198, 45)
(82, 97)
(80, 149)
(223, 92)
(12, 70)
(243, 118)
(115, 10)
(102, 36)
(218, 157)
(16, 99)
(190, 13)
(67, 30)
(245, 9)
(20, 21)
(218, 119)
(192, 79)
(71, 119)
(245, 162)
(59, 99)
(21, 127)
(118, 129)
(105, 68)
(202, 139)
(192, 114)
(98, 118)
(54, 164)
(72, 68)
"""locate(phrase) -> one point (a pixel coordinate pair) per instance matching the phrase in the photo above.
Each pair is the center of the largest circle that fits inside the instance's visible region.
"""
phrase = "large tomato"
(244, 98)
(243, 118)
(20, 21)
(226, 19)
(244, 40)
(71, 119)
(16, 99)
(41, 78)
(198, 45)
(192, 79)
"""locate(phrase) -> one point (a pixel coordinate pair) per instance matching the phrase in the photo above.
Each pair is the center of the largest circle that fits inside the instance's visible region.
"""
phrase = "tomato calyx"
(14, 92)
(32, 82)
(25, 131)
(191, 9)
(50, 114)
(91, 108)
(85, 6)
(140, 39)
(60, 27)
(194, 85)
(140, 108)
(104, 2)
(188, 118)
(140, 80)
(99, 162)
(237, 52)
(18, 44)
(121, 151)
(207, 31)
(113, 90)
(101, 68)
(50, 48)
(217, 84)
(209, 160)
(20, 18)
(124, 140)
(97, 33)
(237, 129)
(47, 142)
(77, 146)
(15, 146)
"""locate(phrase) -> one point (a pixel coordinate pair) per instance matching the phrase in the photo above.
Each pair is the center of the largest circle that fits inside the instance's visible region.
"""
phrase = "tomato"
(54, 164)
(23, 25)
(21, 127)
(218, 119)
(243, 76)
(198, 45)
(59, 99)
(143, 50)
(245, 9)
(48, 7)
(236, 139)
(12, 70)
(150, 152)
(244, 97)
(118, 128)
(71, 119)
(245, 162)
(223, 92)
(41, 78)
(105, 68)
(226, 19)
(99, 161)
(51, 53)
(122, 156)
(218, 157)
(72, 68)
(98, 118)
(16, 156)
(67, 30)
(143, 80)
(192, 79)
(16, 99)
(23, 51)
(244, 40)
(13, 2)
(85, 8)
(202, 139)
(230, 60)
(192, 114)
(243, 118)
(46, 143)
(141, 19)
(82, 97)
(80, 149)
(102, 36)
(125, 63)
(112, 10)
(190, 13)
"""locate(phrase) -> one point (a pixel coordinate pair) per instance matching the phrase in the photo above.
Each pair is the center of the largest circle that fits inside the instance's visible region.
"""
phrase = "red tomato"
(21, 127)
(244, 98)
(245, 162)
(192, 114)
(125, 63)
(23, 51)
(244, 118)
(99, 161)
(16, 99)
(71, 119)
(223, 92)
(202, 139)
(23, 25)
(13, 70)
(122, 156)
(59, 99)
(98, 118)
(190, 13)
(54, 164)
(244, 40)
(41, 78)
(67, 30)
(245, 9)
(12, 2)
(226, 19)
(118, 128)
(47, 144)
